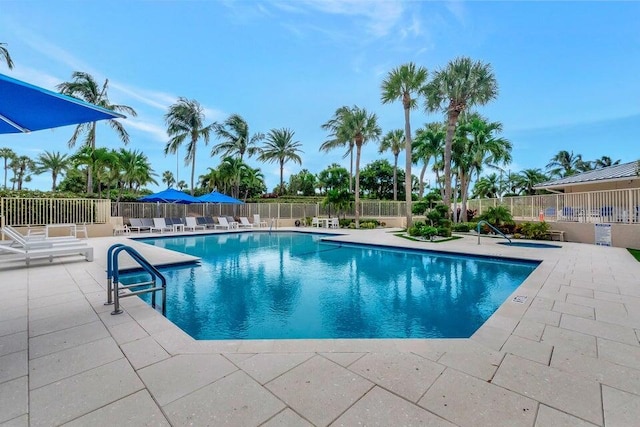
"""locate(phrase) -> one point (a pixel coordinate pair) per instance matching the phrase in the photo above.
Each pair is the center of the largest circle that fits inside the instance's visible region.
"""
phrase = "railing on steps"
(113, 279)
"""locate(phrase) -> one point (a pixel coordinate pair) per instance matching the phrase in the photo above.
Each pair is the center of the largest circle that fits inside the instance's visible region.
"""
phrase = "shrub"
(428, 231)
(414, 230)
(461, 227)
(444, 231)
(368, 225)
(535, 230)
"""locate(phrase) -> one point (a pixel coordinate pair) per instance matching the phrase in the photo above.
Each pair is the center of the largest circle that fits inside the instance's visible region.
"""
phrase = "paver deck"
(568, 356)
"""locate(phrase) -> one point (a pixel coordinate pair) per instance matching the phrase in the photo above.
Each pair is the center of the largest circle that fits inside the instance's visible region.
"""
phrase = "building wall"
(622, 235)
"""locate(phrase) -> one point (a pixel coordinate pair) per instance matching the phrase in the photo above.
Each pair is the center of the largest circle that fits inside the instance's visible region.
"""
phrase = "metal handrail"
(113, 276)
(492, 227)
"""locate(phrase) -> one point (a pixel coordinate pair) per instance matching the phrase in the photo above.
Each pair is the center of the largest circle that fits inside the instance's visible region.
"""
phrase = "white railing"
(265, 210)
(611, 206)
(41, 211)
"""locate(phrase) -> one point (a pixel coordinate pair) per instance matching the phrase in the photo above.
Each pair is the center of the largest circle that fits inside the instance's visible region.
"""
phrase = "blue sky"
(567, 71)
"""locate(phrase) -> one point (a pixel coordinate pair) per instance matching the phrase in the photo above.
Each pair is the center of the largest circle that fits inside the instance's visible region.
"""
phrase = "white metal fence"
(611, 206)
(265, 210)
(41, 211)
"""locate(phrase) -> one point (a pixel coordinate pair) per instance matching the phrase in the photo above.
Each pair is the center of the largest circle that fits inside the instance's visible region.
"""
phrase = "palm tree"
(394, 140)
(7, 154)
(487, 187)
(454, 89)
(4, 54)
(605, 162)
(252, 179)
(564, 164)
(136, 169)
(168, 179)
(405, 83)
(185, 121)
(183, 185)
(337, 138)
(21, 166)
(361, 127)
(56, 163)
(478, 146)
(84, 86)
(236, 140)
(230, 171)
(529, 178)
(428, 144)
(280, 147)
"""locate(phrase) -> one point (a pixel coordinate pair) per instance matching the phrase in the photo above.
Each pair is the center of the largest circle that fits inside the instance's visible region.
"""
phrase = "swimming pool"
(530, 245)
(284, 285)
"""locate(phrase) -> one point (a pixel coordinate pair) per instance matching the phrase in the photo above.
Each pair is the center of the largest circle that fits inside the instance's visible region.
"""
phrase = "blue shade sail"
(216, 197)
(25, 108)
(170, 195)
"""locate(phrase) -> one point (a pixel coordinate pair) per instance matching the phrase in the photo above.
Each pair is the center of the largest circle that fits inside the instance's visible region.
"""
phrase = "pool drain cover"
(520, 299)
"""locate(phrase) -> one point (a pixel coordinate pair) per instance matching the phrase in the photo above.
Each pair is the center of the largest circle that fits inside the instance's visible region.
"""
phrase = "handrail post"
(110, 266)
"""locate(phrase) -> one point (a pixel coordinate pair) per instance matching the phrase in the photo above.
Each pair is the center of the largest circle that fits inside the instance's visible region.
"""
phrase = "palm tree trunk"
(92, 139)
(465, 198)
(193, 165)
(408, 150)
(451, 128)
(54, 178)
(351, 170)
(395, 178)
(357, 195)
(5, 173)
(281, 178)
(422, 172)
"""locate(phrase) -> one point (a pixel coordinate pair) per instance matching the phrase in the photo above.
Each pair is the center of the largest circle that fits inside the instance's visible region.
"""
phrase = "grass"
(635, 253)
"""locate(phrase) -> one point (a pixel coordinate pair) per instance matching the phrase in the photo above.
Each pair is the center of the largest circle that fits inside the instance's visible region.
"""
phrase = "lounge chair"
(244, 222)
(333, 223)
(192, 224)
(22, 249)
(232, 222)
(160, 225)
(315, 222)
(119, 227)
(257, 222)
(35, 240)
(207, 221)
(137, 224)
(223, 223)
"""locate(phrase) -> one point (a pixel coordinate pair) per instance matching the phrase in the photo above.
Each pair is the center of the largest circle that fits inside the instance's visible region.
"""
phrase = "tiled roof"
(625, 170)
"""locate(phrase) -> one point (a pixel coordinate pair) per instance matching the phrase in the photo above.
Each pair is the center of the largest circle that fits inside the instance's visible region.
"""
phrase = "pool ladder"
(493, 228)
(113, 279)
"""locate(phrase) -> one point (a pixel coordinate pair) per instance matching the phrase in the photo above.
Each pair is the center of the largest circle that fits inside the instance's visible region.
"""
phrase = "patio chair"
(223, 223)
(148, 223)
(159, 224)
(257, 222)
(137, 224)
(20, 248)
(207, 221)
(334, 223)
(119, 227)
(192, 224)
(244, 222)
(232, 221)
(315, 222)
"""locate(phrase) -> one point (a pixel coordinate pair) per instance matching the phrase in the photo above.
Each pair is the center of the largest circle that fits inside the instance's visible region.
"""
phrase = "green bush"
(368, 225)
(428, 231)
(444, 231)
(414, 230)
(461, 227)
(534, 230)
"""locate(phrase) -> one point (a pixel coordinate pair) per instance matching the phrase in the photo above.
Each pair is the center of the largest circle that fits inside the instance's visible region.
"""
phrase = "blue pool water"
(293, 285)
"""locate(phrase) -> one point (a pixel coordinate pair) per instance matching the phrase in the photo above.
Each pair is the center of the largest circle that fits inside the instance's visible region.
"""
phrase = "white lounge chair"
(334, 223)
(315, 222)
(22, 249)
(223, 223)
(192, 224)
(244, 222)
(257, 222)
(160, 225)
(35, 240)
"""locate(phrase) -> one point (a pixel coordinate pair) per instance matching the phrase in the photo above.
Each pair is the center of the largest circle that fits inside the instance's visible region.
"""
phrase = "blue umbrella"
(25, 108)
(170, 195)
(215, 197)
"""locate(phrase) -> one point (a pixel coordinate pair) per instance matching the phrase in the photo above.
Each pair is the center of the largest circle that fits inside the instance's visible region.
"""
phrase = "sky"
(567, 72)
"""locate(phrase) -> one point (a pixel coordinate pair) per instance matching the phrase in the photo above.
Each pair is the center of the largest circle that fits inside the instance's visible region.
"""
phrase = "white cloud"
(457, 9)
(157, 132)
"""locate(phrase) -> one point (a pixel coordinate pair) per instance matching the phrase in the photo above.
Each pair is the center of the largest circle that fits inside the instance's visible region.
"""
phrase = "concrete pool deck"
(569, 355)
